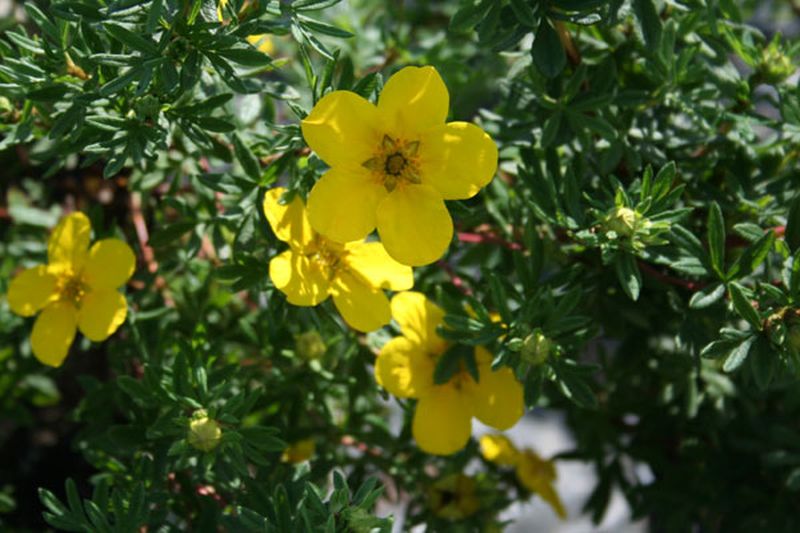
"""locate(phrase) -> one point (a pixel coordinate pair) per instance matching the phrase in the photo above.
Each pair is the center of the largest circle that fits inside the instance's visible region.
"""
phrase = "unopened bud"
(204, 432)
(536, 348)
(309, 345)
(622, 221)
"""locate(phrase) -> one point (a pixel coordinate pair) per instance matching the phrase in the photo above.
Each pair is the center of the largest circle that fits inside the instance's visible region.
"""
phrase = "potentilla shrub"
(263, 263)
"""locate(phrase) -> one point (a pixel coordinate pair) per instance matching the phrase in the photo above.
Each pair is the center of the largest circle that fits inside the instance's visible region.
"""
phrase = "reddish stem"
(670, 280)
(455, 278)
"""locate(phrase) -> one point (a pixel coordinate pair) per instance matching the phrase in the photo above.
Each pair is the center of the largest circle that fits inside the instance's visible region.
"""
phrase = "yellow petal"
(110, 264)
(262, 42)
(361, 306)
(69, 243)
(102, 312)
(303, 282)
(414, 225)
(499, 450)
(288, 221)
(442, 422)
(30, 290)
(342, 204)
(343, 129)
(404, 368)
(53, 333)
(497, 400)
(418, 318)
(414, 99)
(538, 475)
(371, 264)
(457, 159)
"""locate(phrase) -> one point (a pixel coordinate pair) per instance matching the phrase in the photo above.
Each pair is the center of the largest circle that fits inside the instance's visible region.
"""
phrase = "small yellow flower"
(262, 41)
(443, 417)
(204, 432)
(77, 289)
(394, 164)
(299, 451)
(453, 497)
(314, 267)
(535, 474)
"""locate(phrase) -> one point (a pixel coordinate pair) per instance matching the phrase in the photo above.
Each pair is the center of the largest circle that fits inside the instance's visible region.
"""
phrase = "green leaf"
(131, 39)
(763, 361)
(716, 239)
(245, 156)
(742, 305)
(707, 296)
(171, 233)
(792, 231)
(249, 57)
(629, 275)
(650, 23)
(738, 355)
(547, 52)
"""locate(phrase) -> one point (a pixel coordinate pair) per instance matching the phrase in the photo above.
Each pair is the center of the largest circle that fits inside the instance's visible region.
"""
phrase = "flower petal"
(538, 475)
(303, 282)
(342, 204)
(442, 422)
(457, 159)
(414, 99)
(361, 306)
(69, 243)
(404, 368)
(343, 129)
(288, 221)
(497, 400)
(499, 450)
(418, 318)
(53, 333)
(110, 264)
(262, 42)
(414, 225)
(102, 312)
(370, 263)
(30, 290)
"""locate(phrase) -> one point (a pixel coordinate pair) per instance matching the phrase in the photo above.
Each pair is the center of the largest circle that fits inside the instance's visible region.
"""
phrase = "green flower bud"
(536, 348)
(309, 345)
(774, 66)
(204, 433)
(623, 221)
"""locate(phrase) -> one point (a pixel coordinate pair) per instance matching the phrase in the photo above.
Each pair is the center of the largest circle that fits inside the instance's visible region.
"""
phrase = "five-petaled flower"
(536, 474)
(443, 418)
(314, 267)
(77, 289)
(394, 164)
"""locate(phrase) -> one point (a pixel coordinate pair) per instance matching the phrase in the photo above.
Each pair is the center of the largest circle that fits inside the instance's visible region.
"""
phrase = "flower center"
(71, 289)
(395, 161)
(326, 257)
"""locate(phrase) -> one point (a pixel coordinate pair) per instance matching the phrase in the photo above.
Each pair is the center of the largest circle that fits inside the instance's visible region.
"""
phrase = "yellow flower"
(535, 474)
(354, 273)
(443, 417)
(77, 289)
(262, 41)
(299, 451)
(204, 433)
(394, 164)
(453, 497)
(499, 450)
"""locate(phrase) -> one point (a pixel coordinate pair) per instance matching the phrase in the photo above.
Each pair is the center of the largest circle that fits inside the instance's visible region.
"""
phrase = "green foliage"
(635, 262)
